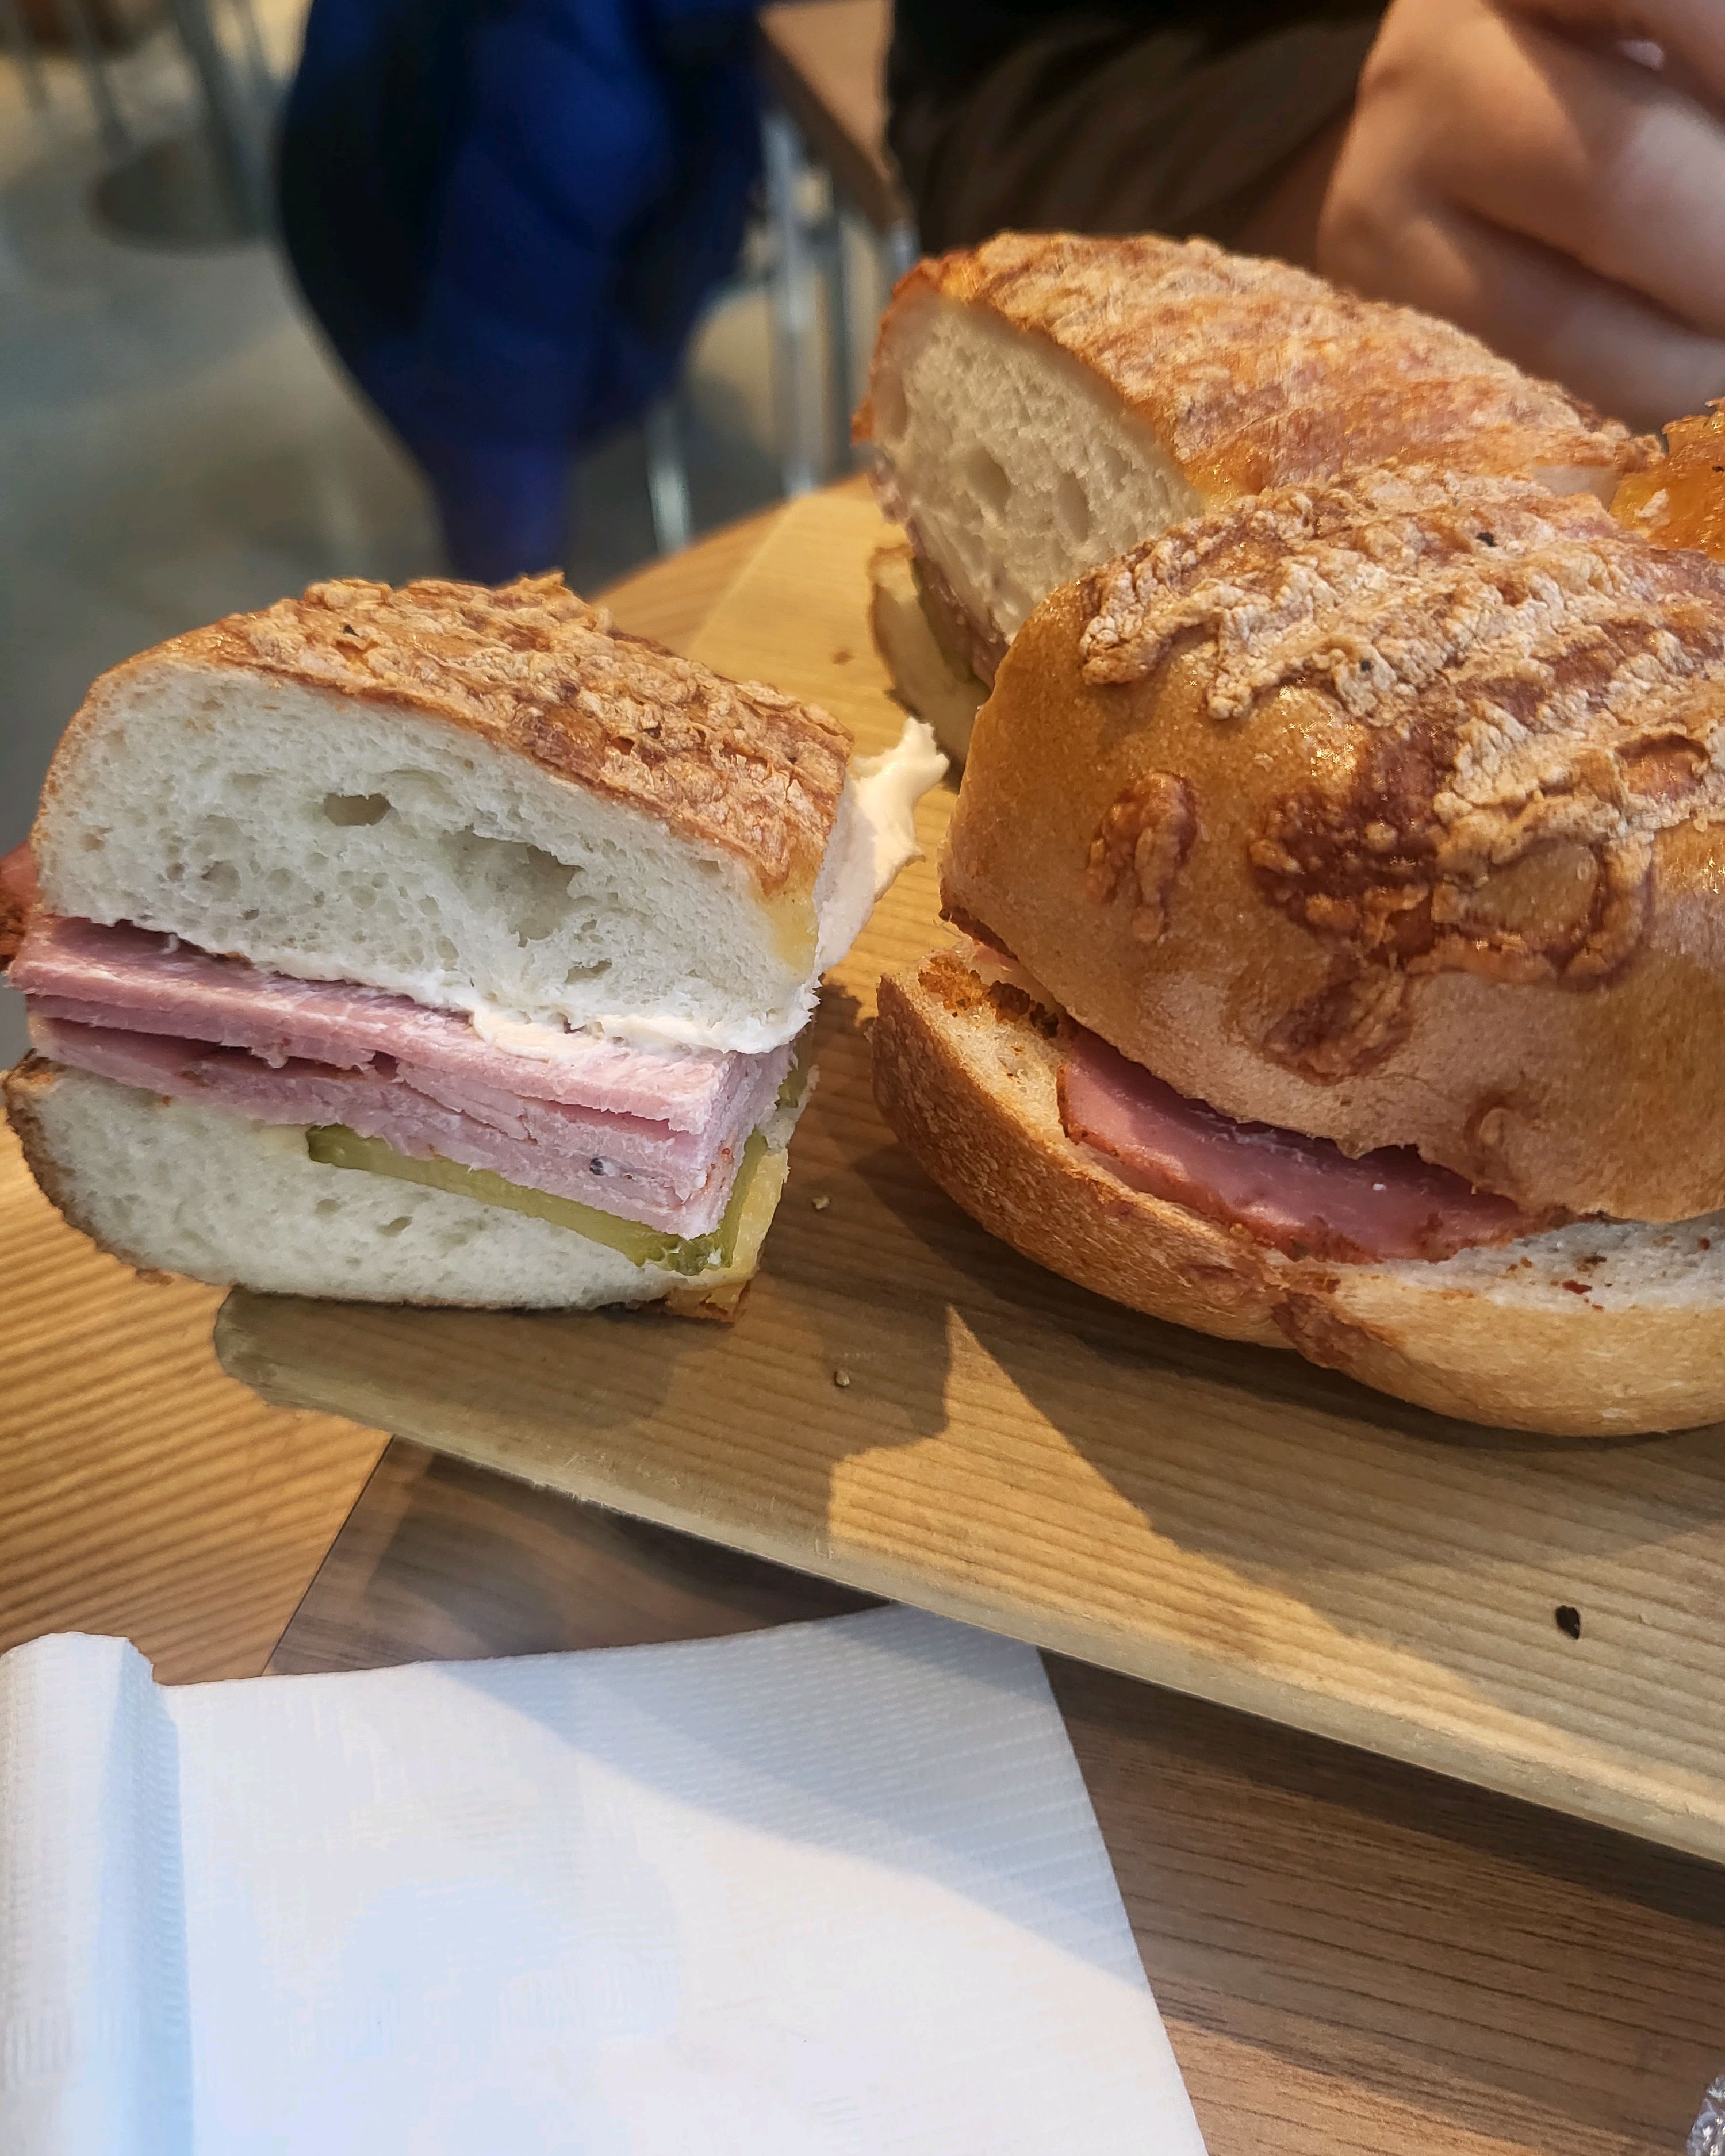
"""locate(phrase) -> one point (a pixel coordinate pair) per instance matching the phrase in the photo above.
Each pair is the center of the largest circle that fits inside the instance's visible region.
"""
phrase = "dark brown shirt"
(1122, 116)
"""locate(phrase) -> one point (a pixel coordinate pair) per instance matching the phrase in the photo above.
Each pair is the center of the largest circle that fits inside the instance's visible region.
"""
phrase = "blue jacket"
(507, 215)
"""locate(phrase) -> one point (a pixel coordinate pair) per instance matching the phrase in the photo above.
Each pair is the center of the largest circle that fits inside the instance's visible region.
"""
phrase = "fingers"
(1594, 157)
(1555, 197)
(1552, 317)
(1690, 34)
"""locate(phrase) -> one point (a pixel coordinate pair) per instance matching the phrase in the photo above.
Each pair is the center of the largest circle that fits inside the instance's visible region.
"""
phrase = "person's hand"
(1511, 165)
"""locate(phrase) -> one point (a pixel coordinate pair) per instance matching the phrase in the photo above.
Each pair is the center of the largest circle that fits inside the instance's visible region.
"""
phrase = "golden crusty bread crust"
(964, 1073)
(965, 1076)
(1252, 374)
(1389, 811)
(533, 669)
(1680, 501)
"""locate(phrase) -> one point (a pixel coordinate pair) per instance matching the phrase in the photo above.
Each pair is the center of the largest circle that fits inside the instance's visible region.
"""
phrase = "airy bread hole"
(423, 796)
(987, 479)
(380, 848)
(1019, 468)
(527, 887)
(351, 808)
(1072, 508)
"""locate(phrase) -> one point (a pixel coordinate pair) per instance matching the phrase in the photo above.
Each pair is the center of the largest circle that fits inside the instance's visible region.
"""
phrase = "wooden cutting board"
(906, 1406)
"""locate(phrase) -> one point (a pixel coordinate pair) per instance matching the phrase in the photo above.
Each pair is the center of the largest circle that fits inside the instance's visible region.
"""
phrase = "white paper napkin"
(832, 1890)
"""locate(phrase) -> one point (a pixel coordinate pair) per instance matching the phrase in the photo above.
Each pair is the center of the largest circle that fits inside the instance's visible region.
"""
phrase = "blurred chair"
(208, 186)
(825, 66)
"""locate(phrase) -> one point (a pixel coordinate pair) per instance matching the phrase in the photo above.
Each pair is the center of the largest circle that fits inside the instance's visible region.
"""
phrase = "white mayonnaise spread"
(874, 836)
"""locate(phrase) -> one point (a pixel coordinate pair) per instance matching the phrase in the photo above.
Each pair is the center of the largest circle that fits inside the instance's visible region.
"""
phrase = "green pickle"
(335, 1145)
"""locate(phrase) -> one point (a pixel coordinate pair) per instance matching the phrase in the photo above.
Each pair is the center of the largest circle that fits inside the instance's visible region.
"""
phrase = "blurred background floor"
(176, 442)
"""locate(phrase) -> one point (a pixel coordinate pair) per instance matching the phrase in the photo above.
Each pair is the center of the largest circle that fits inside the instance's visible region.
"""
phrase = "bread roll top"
(532, 668)
(1253, 374)
(1044, 401)
(1387, 811)
(492, 801)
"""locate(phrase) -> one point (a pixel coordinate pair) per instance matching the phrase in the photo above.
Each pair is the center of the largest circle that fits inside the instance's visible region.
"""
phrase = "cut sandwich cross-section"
(473, 925)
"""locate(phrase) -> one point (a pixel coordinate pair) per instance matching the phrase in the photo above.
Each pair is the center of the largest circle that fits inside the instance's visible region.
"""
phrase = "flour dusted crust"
(1590, 1329)
(1525, 680)
(1252, 374)
(1393, 811)
(533, 669)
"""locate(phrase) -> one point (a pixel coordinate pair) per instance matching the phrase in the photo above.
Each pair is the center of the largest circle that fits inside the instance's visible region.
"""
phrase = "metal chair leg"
(667, 477)
(798, 385)
(901, 248)
(20, 43)
(80, 35)
(233, 126)
(841, 358)
(257, 60)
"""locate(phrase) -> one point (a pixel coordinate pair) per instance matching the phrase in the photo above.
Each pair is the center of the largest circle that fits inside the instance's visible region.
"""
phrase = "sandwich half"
(1343, 950)
(1041, 403)
(441, 945)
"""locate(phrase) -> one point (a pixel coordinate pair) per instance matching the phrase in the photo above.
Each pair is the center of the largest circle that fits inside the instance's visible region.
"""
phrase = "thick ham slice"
(1301, 1195)
(545, 1146)
(148, 984)
(653, 1135)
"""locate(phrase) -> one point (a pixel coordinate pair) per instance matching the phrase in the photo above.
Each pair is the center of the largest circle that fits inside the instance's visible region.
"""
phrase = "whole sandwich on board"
(1041, 403)
(1341, 884)
(442, 946)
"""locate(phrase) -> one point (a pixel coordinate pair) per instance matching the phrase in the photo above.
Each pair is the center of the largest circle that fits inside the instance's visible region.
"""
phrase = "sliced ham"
(1301, 1195)
(545, 1147)
(148, 984)
(653, 1135)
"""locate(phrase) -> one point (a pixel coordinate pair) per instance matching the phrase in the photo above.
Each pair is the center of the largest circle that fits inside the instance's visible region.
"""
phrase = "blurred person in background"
(1545, 172)
(507, 215)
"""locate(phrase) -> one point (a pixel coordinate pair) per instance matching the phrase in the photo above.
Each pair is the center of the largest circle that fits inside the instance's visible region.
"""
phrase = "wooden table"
(1351, 1955)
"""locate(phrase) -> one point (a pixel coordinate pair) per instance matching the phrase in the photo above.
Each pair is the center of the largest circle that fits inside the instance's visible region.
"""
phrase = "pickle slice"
(335, 1146)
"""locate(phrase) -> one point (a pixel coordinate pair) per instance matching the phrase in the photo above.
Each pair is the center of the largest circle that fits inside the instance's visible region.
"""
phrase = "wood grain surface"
(1351, 1956)
(141, 1490)
(908, 1407)
(1354, 1958)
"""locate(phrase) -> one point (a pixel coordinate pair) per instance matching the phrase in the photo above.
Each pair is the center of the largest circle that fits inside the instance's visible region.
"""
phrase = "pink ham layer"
(542, 1145)
(1299, 1194)
(150, 983)
(649, 1137)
